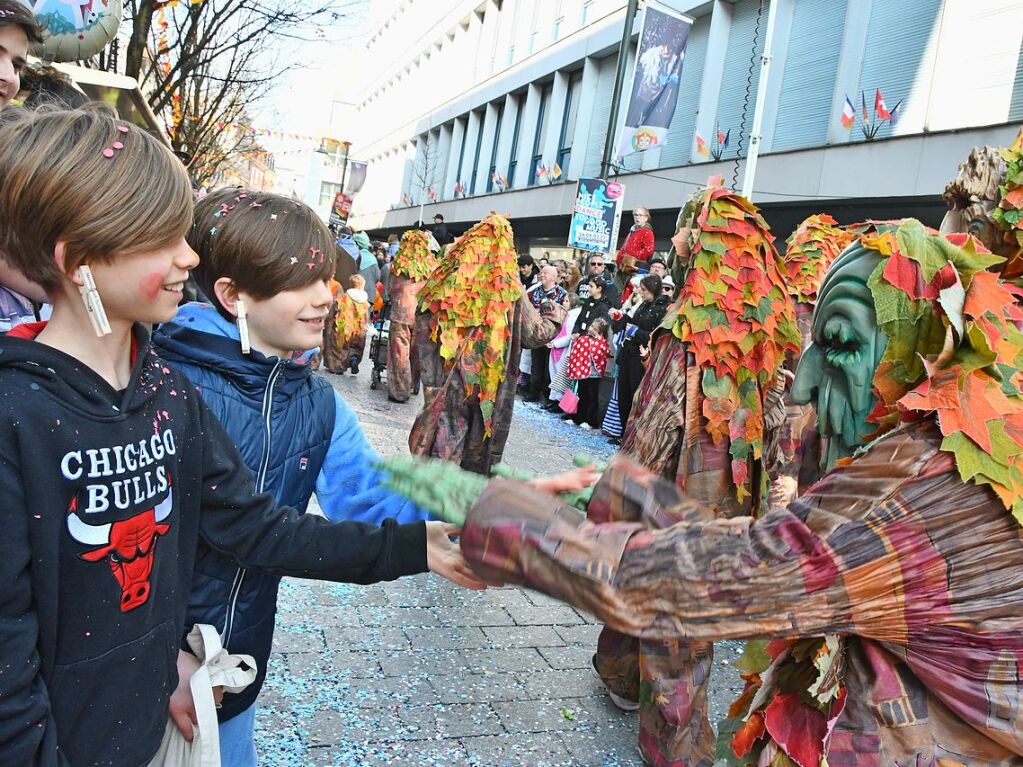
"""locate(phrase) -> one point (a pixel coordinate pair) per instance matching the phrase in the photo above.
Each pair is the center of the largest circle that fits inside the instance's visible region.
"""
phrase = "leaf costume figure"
(889, 593)
(473, 322)
(412, 264)
(350, 324)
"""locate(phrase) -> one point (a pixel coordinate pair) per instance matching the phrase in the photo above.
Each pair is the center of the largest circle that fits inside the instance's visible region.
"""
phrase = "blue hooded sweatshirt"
(298, 436)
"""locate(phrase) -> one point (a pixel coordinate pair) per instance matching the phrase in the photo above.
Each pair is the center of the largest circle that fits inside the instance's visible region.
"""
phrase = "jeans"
(238, 741)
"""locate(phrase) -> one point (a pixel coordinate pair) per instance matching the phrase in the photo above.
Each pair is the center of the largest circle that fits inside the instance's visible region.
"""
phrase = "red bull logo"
(128, 546)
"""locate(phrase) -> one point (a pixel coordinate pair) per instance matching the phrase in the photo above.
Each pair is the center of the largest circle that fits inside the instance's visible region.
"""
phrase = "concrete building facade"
(466, 94)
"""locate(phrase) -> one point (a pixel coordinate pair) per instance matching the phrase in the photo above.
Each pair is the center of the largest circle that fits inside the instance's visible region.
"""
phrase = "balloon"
(76, 29)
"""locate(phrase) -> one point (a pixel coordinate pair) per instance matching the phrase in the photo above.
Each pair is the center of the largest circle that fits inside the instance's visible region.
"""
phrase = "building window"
(584, 14)
(559, 18)
(541, 124)
(476, 156)
(493, 151)
(334, 153)
(513, 161)
(568, 120)
(328, 190)
(461, 154)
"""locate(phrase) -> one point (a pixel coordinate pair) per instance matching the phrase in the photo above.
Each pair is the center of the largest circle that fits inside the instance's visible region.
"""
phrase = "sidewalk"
(419, 672)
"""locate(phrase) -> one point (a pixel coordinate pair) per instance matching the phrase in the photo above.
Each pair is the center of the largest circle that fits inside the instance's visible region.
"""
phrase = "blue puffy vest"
(281, 417)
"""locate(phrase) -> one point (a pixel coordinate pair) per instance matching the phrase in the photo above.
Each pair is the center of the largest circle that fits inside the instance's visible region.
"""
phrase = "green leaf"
(915, 243)
(754, 658)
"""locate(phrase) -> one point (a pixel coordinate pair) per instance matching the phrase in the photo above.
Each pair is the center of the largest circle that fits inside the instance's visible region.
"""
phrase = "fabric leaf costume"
(473, 321)
(412, 264)
(907, 550)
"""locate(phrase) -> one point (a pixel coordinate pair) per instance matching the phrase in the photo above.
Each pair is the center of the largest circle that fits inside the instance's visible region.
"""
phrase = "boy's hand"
(444, 557)
(182, 706)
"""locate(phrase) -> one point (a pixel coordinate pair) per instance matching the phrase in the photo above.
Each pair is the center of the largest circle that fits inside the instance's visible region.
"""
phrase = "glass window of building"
(568, 120)
(541, 125)
(493, 151)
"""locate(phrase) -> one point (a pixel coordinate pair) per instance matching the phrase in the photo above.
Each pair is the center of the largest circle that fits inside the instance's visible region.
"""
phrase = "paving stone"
(572, 656)
(298, 639)
(547, 714)
(575, 683)
(332, 665)
(495, 661)
(397, 616)
(476, 615)
(584, 635)
(600, 748)
(420, 662)
(358, 725)
(448, 638)
(545, 615)
(442, 753)
(524, 636)
(451, 721)
(374, 638)
(516, 751)
(467, 687)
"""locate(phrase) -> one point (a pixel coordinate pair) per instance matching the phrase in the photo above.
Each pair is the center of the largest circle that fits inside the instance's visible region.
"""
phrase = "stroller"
(378, 345)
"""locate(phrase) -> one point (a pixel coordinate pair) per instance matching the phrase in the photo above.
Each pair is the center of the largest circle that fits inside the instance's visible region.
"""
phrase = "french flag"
(848, 113)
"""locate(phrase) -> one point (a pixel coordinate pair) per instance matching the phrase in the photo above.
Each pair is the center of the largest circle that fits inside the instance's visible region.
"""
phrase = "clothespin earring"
(243, 327)
(93, 304)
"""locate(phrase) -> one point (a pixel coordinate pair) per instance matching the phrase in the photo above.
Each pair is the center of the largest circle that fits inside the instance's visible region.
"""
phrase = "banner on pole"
(596, 215)
(356, 177)
(656, 82)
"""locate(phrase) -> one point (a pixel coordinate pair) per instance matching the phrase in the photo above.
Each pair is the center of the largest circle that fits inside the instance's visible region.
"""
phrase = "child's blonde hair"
(103, 187)
(357, 281)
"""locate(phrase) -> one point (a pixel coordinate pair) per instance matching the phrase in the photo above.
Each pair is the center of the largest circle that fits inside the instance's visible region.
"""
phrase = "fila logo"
(303, 463)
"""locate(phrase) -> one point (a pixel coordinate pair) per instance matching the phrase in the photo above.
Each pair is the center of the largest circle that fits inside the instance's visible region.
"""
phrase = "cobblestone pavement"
(420, 672)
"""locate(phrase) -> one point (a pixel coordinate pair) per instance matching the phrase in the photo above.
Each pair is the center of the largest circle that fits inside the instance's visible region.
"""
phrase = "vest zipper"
(264, 462)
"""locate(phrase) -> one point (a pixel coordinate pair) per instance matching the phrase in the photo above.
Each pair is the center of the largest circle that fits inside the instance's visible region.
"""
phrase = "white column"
(450, 175)
(850, 65)
(486, 147)
(474, 45)
(555, 117)
(443, 161)
(713, 71)
(488, 42)
(526, 132)
(472, 132)
(584, 118)
(779, 56)
(504, 143)
(419, 169)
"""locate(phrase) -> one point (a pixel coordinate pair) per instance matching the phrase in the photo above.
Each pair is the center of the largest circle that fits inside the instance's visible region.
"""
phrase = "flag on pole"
(848, 113)
(880, 109)
(431, 194)
(556, 171)
(721, 138)
(406, 200)
(863, 104)
(701, 146)
(893, 116)
(724, 144)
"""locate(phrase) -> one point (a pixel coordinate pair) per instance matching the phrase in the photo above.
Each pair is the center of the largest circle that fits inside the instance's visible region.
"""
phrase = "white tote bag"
(218, 668)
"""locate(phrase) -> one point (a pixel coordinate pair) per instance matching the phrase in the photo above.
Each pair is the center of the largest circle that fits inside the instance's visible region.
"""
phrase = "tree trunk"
(140, 26)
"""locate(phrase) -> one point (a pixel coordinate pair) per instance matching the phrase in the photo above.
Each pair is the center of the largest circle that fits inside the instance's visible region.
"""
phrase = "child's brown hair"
(84, 177)
(264, 243)
(14, 13)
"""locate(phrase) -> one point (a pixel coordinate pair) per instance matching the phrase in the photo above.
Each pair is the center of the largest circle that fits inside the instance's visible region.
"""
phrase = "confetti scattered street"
(419, 672)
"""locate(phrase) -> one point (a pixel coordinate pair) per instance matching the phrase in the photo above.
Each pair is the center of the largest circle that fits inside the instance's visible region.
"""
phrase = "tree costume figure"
(907, 553)
(473, 323)
(350, 321)
(698, 420)
(412, 264)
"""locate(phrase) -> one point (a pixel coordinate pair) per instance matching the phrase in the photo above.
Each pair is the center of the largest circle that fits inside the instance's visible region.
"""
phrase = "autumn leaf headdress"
(414, 258)
(735, 313)
(469, 298)
(811, 248)
(954, 349)
(1009, 213)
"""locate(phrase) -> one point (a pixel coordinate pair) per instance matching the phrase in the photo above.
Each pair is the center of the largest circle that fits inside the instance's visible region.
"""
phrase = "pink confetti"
(108, 153)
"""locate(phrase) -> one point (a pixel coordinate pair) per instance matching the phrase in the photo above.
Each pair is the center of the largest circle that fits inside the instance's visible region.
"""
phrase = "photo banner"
(596, 215)
(341, 208)
(656, 81)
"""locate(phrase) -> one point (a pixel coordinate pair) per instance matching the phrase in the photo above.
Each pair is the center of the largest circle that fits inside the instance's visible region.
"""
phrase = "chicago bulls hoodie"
(104, 496)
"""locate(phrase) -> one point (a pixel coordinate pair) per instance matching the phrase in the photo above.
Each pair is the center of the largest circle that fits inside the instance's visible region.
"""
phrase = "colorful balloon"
(75, 29)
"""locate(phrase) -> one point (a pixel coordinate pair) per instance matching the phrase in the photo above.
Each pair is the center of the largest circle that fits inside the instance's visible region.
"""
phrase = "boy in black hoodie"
(112, 468)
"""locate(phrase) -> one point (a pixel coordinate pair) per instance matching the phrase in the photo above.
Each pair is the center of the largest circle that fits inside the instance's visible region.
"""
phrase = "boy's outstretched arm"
(350, 486)
(251, 531)
(28, 734)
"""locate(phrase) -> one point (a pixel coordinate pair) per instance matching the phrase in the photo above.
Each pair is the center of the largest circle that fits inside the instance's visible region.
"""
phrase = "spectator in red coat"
(638, 247)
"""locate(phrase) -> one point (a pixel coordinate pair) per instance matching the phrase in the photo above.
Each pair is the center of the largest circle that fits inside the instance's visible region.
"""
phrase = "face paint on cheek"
(151, 285)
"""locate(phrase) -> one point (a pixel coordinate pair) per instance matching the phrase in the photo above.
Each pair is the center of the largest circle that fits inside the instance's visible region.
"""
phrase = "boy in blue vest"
(112, 469)
(264, 264)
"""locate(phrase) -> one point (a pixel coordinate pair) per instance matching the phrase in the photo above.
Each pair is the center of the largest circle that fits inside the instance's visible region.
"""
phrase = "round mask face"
(836, 372)
(584, 290)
